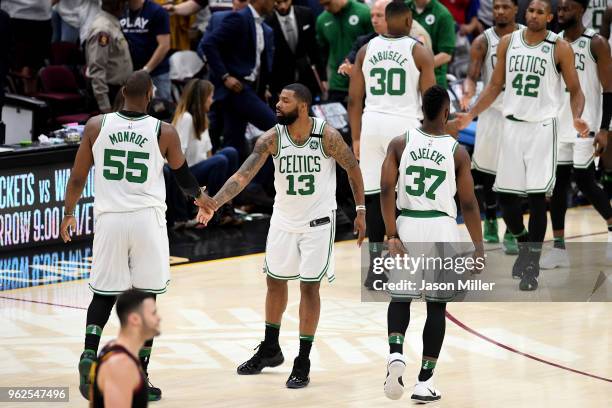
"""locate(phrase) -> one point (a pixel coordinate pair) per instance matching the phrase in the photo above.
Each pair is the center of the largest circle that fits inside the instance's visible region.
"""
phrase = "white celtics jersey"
(304, 180)
(426, 183)
(591, 88)
(593, 15)
(533, 84)
(490, 60)
(391, 77)
(128, 165)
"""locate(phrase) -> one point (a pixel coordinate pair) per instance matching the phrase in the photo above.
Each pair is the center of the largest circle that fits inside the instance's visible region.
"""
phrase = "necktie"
(290, 35)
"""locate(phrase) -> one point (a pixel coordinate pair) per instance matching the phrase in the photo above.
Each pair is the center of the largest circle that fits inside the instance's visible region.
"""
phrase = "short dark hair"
(112, 6)
(433, 101)
(397, 8)
(515, 2)
(137, 84)
(130, 301)
(583, 3)
(301, 93)
(548, 2)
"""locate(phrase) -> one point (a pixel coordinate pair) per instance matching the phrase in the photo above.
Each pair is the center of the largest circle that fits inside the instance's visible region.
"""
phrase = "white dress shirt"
(260, 44)
(194, 149)
(289, 26)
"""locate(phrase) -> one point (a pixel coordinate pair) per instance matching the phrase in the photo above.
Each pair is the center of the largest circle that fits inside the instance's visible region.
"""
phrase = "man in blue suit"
(239, 51)
(215, 20)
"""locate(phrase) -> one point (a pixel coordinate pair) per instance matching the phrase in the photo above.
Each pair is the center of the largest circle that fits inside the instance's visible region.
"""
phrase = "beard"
(568, 23)
(288, 118)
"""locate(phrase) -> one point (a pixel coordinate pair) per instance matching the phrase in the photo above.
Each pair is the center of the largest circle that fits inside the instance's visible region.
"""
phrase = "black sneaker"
(155, 393)
(529, 280)
(265, 357)
(85, 362)
(373, 277)
(299, 375)
(521, 261)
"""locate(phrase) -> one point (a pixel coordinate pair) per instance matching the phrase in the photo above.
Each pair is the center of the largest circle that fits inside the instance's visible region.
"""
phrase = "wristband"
(606, 114)
(360, 207)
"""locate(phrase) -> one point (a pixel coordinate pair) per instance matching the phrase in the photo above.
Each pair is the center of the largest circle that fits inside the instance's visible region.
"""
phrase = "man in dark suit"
(239, 53)
(214, 21)
(295, 51)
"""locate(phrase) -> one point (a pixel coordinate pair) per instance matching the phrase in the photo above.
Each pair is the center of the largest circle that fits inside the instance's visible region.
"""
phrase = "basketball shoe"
(424, 392)
(555, 258)
(490, 234)
(264, 357)
(394, 386)
(87, 359)
(509, 244)
(299, 377)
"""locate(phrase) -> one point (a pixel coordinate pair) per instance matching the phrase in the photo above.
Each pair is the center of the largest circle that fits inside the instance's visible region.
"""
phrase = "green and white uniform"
(528, 153)
(300, 241)
(574, 149)
(593, 15)
(392, 104)
(130, 247)
(426, 191)
(489, 127)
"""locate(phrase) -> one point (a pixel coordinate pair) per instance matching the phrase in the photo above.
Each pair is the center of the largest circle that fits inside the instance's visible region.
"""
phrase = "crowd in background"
(238, 82)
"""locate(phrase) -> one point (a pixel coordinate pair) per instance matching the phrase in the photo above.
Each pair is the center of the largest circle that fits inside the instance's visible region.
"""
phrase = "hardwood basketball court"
(494, 354)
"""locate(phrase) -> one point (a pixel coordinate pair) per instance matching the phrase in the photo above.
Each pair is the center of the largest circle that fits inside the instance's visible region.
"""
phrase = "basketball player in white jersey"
(594, 66)
(530, 65)
(130, 248)
(489, 127)
(593, 16)
(428, 167)
(300, 241)
(391, 71)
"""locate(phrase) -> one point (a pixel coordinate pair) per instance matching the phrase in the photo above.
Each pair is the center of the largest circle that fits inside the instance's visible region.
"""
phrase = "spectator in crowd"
(485, 14)
(239, 52)
(87, 13)
(314, 6)
(215, 20)
(186, 8)
(191, 122)
(296, 57)
(146, 26)
(439, 23)
(30, 25)
(380, 28)
(464, 13)
(337, 29)
(65, 20)
(109, 63)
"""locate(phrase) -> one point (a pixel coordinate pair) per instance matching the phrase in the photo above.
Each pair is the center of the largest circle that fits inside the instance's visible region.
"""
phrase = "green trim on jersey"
(583, 166)
(422, 213)
(382, 36)
(332, 234)
(144, 116)
(105, 292)
(371, 192)
(434, 136)
(590, 43)
(157, 133)
(278, 141)
(548, 32)
(156, 291)
(321, 144)
(305, 142)
(267, 270)
(455, 147)
(512, 118)
(476, 166)
(103, 120)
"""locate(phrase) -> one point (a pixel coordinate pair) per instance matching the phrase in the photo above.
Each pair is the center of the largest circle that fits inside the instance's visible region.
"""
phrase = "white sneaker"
(394, 387)
(424, 392)
(555, 258)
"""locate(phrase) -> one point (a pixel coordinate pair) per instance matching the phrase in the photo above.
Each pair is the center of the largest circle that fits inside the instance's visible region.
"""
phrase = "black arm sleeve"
(606, 111)
(186, 181)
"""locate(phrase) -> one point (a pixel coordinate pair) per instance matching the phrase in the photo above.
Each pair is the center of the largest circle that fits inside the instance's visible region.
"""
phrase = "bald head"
(378, 16)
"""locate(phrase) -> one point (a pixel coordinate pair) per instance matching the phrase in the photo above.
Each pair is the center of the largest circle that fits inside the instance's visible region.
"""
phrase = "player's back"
(128, 164)
(426, 184)
(391, 77)
(533, 85)
(304, 179)
(586, 67)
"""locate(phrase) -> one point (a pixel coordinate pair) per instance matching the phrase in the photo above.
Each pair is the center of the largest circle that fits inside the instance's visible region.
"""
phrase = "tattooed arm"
(334, 146)
(265, 146)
